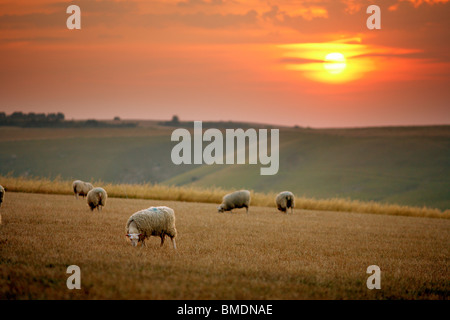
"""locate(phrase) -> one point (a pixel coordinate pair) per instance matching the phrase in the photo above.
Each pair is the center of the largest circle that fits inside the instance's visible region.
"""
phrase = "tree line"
(32, 119)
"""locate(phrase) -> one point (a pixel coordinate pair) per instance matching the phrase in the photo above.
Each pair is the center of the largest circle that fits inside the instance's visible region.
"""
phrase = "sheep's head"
(220, 208)
(134, 238)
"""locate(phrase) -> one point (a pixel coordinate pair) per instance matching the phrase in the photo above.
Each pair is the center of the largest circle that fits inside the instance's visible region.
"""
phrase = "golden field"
(263, 255)
(214, 195)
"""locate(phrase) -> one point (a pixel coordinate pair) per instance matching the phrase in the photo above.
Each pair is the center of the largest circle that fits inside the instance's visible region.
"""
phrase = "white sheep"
(96, 198)
(285, 200)
(237, 199)
(81, 188)
(154, 221)
(2, 194)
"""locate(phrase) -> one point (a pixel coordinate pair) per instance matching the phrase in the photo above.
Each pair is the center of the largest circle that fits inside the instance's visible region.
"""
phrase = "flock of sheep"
(160, 221)
(96, 197)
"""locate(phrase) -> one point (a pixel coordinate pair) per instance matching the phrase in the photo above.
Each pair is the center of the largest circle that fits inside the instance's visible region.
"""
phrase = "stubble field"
(262, 255)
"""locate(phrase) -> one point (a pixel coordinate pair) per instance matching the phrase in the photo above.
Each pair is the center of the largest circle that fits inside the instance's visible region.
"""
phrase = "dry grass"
(214, 195)
(262, 255)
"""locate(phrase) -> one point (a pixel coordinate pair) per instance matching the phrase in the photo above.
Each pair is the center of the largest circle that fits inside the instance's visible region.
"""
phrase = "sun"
(329, 62)
(334, 63)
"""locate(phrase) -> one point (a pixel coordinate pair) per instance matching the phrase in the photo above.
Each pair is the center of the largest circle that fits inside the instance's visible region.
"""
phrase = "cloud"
(309, 13)
(196, 20)
(299, 60)
(418, 3)
(214, 21)
(92, 12)
(105, 6)
(352, 6)
(33, 39)
(197, 3)
(257, 20)
(113, 13)
(32, 20)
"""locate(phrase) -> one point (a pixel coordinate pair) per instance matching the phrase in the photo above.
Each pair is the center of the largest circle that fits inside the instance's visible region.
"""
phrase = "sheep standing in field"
(96, 198)
(285, 200)
(237, 199)
(154, 221)
(81, 188)
(2, 194)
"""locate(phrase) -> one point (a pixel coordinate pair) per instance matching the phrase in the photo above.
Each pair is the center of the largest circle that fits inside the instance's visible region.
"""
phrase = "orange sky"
(253, 60)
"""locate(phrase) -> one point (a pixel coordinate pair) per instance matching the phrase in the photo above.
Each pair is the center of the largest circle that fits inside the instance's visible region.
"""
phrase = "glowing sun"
(334, 63)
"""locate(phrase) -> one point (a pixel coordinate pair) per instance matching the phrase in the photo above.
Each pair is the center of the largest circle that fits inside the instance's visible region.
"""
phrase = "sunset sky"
(253, 60)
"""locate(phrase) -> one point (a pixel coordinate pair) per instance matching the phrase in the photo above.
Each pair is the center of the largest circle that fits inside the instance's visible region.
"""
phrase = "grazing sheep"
(96, 198)
(81, 188)
(237, 199)
(285, 200)
(2, 194)
(154, 221)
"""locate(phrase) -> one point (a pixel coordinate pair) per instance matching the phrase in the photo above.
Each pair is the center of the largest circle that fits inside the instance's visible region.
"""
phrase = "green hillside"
(408, 165)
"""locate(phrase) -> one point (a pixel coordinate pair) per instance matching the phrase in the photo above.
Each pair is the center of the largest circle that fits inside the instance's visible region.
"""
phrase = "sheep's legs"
(174, 244)
(162, 240)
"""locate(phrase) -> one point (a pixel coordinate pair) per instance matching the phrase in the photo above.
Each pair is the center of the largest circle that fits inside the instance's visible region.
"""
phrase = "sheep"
(284, 201)
(2, 194)
(237, 199)
(96, 198)
(154, 221)
(81, 188)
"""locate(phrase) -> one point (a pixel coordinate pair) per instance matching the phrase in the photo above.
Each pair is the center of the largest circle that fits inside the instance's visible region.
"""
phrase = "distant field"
(214, 195)
(262, 255)
(406, 165)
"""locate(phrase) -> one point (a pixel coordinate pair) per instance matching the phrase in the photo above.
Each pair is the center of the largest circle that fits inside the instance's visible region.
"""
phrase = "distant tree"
(60, 116)
(17, 116)
(116, 118)
(31, 116)
(40, 116)
(175, 120)
(51, 117)
(32, 119)
(91, 123)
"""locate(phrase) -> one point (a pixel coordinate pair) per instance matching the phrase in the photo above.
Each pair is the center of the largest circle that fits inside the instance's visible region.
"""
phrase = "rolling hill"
(404, 165)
